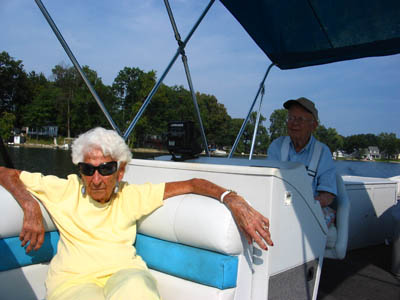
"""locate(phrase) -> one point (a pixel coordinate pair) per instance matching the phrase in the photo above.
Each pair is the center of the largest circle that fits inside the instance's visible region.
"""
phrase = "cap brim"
(289, 103)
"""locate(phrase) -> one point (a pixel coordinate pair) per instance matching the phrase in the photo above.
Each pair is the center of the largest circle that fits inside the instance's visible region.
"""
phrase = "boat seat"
(210, 264)
(331, 239)
(337, 239)
(397, 180)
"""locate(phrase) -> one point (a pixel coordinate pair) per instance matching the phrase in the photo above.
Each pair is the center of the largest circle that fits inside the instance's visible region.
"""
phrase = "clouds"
(353, 97)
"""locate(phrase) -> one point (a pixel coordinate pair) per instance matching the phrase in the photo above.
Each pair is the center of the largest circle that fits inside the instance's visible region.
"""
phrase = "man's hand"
(325, 198)
(254, 225)
(32, 227)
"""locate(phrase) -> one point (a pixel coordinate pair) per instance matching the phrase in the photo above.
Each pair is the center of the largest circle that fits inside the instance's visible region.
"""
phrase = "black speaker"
(183, 140)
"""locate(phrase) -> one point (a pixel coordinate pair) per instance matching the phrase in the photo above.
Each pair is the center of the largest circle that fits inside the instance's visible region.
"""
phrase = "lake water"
(47, 161)
(58, 162)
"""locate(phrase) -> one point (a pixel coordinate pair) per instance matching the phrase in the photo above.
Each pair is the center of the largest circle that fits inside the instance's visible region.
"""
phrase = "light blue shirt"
(325, 179)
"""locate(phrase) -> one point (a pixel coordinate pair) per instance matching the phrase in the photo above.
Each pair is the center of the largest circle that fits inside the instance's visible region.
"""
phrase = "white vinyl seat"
(211, 264)
(337, 239)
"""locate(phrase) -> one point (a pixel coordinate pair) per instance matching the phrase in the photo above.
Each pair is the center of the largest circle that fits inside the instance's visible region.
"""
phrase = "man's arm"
(32, 227)
(326, 179)
(253, 225)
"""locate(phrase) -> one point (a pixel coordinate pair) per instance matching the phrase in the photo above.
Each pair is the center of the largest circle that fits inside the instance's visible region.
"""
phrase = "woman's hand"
(32, 227)
(254, 225)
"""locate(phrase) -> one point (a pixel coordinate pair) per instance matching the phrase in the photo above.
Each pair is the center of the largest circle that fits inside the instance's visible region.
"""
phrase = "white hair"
(108, 141)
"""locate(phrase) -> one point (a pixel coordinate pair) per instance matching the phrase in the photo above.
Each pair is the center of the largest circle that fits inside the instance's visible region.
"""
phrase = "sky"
(354, 97)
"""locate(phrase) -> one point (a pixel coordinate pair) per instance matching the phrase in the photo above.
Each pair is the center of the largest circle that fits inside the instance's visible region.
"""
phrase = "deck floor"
(363, 275)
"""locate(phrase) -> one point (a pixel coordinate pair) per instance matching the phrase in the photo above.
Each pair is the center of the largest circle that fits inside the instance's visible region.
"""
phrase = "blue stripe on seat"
(198, 265)
(12, 255)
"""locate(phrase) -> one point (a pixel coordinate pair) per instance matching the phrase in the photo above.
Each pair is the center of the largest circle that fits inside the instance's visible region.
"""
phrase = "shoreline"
(364, 160)
(166, 152)
(63, 147)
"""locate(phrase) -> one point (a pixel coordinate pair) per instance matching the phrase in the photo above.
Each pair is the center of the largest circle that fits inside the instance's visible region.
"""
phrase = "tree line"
(63, 100)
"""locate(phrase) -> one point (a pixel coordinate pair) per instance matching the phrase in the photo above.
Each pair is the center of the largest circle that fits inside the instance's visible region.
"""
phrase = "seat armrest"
(342, 221)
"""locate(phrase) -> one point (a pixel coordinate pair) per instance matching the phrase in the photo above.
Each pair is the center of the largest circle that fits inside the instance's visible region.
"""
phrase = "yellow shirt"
(96, 240)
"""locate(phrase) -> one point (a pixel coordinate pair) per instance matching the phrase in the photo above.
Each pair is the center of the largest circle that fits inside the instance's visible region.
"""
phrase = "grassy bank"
(60, 142)
(375, 160)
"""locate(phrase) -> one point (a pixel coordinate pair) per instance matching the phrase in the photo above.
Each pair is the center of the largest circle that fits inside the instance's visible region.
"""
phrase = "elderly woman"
(96, 216)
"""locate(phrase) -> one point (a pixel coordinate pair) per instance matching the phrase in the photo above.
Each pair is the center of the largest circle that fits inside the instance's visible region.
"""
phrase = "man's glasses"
(104, 169)
(300, 120)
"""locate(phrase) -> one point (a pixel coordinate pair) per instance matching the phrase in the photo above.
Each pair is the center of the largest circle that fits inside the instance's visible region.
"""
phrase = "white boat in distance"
(216, 152)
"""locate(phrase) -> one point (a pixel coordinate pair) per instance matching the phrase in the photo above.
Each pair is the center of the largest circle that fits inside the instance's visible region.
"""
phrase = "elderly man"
(96, 215)
(301, 146)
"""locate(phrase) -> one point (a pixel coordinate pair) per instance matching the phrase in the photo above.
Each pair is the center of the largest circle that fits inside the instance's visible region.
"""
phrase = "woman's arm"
(32, 227)
(254, 226)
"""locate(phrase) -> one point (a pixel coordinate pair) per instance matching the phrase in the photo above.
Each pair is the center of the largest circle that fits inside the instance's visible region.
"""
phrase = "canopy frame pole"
(188, 76)
(158, 83)
(249, 113)
(257, 122)
(76, 64)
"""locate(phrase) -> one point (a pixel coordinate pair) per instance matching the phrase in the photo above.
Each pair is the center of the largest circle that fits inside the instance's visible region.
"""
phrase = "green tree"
(131, 87)
(262, 139)
(168, 104)
(388, 144)
(14, 88)
(234, 127)
(330, 137)
(40, 89)
(278, 125)
(351, 143)
(76, 109)
(67, 79)
(356, 142)
(85, 113)
(215, 119)
(7, 122)
(41, 111)
(370, 139)
(37, 82)
(178, 104)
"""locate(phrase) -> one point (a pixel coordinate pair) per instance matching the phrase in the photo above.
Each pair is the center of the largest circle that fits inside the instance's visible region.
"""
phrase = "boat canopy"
(301, 33)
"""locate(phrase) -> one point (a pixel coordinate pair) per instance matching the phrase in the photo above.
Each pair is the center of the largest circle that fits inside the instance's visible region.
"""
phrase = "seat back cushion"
(196, 221)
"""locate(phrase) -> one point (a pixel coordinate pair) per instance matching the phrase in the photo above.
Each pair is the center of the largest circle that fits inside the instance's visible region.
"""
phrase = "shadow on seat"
(336, 245)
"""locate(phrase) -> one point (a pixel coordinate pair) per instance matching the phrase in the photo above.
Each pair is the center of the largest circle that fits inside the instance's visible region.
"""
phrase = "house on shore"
(43, 131)
(373, 152)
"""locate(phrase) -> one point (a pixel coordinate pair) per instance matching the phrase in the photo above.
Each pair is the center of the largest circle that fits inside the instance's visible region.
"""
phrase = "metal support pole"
(248, 115)
(188, 76)
(158, 83)
(256, 125)
(75, 63)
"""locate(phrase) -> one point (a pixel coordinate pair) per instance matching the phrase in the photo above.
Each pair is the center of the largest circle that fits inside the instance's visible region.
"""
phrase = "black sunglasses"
(104, 169)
